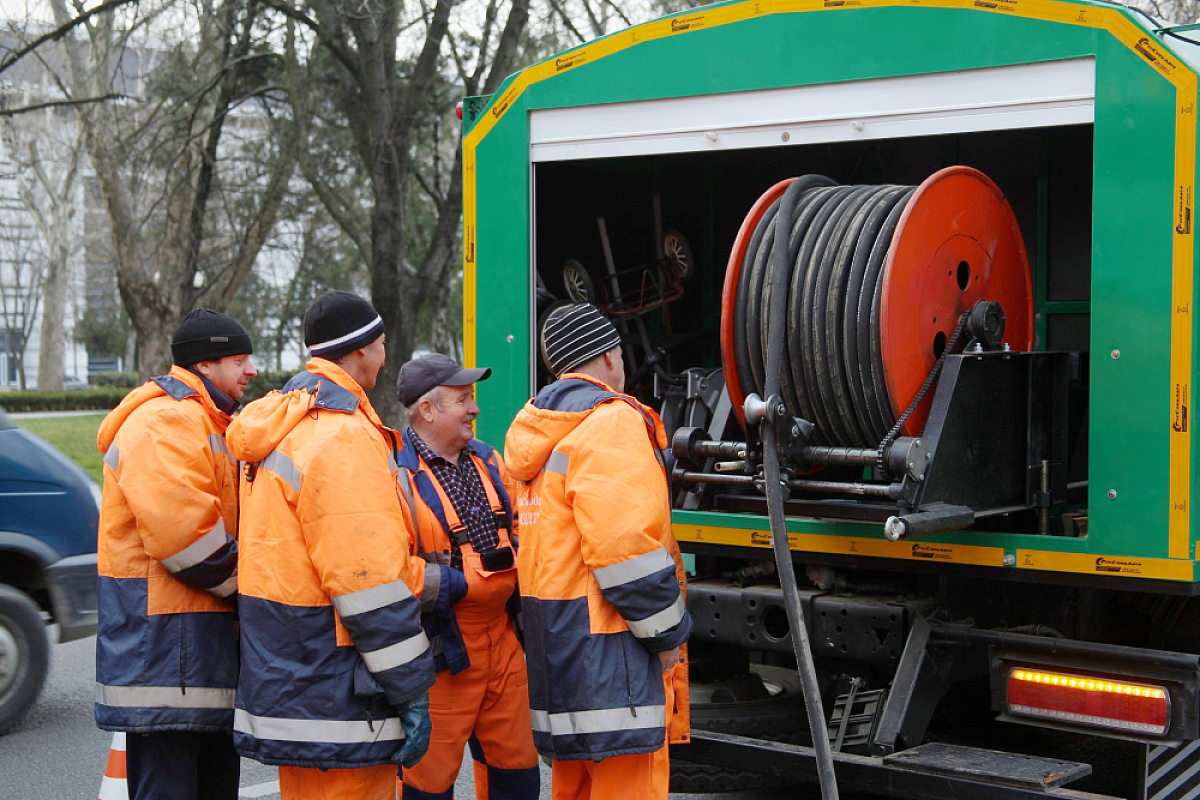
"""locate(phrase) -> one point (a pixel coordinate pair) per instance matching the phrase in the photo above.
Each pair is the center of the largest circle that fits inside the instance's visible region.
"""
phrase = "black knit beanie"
(340, 322)
(206, 335)
(575, 334)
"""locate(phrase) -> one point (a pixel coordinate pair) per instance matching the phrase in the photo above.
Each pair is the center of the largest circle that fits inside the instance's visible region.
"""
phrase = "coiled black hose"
(831, 366)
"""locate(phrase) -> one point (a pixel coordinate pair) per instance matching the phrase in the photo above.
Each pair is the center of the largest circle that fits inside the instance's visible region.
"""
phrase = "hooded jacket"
(601, 576)
(331, 636)
(166, 647)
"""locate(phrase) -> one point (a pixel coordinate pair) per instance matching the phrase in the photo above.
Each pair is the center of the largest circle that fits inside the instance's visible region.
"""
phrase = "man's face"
(452, 417)
(376, 354)
(229, 374)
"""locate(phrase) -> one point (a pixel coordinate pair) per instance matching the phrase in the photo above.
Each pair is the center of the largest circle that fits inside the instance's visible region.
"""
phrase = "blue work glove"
(414, 718)
(453, 588)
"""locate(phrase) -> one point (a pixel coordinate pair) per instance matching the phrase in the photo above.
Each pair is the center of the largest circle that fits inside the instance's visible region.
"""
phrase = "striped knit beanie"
(338, 323)
(575, 334)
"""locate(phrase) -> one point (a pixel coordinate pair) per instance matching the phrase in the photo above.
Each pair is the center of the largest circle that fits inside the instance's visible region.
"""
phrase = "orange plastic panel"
(729, 293)
(957, 242)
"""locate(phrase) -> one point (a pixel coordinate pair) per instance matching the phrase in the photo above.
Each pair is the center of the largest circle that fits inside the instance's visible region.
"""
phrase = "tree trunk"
(18, 358)
(154, 343)
(50, 357)
(388, 297)
(56, 225)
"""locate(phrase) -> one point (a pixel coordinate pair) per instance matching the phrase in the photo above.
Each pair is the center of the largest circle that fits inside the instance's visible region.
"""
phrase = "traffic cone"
(115, 786)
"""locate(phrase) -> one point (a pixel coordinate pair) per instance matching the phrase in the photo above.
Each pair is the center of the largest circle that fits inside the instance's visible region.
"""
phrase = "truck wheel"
(779, 718)
(24, 656)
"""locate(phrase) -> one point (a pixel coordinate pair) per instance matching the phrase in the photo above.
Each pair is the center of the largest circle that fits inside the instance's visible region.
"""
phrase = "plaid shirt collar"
(430, 457)
(463, 486)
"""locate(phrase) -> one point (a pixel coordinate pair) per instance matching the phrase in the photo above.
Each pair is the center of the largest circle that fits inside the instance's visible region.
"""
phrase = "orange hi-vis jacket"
(331, 634)
(602, 580)
(166, 647)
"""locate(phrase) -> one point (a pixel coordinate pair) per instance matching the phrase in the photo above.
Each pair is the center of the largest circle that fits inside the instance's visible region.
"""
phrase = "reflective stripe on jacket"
(166, 646)
(601, 575)
(331, 635)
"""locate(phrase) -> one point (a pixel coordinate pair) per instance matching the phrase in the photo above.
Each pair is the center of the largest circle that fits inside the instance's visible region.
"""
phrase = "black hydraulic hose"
(775, 500)
(832, 374)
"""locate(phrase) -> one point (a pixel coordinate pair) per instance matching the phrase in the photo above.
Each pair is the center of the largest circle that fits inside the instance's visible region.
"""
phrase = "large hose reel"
(879, 277)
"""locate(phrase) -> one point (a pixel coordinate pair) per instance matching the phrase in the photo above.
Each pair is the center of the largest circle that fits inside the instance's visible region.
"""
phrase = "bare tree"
(23, 276)
(48, 181)
(158, 158)
(363, 161)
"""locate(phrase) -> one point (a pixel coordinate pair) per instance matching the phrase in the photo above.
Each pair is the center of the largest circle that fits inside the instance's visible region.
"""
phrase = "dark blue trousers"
(182, 765)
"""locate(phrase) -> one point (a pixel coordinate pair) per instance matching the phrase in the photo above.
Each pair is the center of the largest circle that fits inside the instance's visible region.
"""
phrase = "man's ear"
(425, 409)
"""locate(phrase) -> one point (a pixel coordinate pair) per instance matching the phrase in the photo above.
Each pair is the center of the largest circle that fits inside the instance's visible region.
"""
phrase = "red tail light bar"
(1089, 700)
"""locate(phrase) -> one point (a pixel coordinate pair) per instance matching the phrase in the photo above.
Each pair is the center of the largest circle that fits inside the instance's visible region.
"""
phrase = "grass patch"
(74, 436)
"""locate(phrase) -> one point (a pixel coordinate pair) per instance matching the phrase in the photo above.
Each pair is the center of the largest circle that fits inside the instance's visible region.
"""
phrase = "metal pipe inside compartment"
(889, 491)
(725, 480)
(711, 449)
(856, 456)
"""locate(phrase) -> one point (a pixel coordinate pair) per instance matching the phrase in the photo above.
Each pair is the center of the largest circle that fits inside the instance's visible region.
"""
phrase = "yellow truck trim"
(911, 550)
(1106, 565)
(925, 550)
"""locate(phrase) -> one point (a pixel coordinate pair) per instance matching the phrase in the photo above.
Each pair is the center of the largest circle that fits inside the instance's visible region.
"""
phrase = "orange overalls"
(484, 705)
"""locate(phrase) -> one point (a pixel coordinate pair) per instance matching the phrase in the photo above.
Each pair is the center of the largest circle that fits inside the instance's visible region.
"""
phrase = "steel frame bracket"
(920, 681)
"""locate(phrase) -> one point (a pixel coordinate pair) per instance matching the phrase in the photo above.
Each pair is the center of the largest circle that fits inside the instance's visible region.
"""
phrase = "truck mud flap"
(930, 772)
(1171, 773)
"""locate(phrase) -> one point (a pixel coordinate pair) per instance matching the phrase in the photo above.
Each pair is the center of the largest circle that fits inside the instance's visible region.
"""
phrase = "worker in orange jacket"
(166, 644)
(335, 666)
(466, 549)
(602, 580)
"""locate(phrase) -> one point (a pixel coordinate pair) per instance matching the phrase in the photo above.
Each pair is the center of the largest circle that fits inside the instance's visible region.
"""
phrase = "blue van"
(49, 514)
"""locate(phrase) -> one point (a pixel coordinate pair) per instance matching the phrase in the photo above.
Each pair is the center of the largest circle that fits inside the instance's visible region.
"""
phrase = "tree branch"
(62, 30)
(558, 9)
(12, 112)
(328, 40)
(506, 48)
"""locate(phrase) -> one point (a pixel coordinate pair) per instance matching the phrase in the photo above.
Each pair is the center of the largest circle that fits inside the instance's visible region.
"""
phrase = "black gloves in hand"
(414, 718)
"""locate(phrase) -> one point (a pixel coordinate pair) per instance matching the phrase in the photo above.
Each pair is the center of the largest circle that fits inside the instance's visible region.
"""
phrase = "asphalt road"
(59, 754)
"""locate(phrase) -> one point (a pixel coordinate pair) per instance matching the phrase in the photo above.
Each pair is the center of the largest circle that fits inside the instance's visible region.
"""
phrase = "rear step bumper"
(927, 772)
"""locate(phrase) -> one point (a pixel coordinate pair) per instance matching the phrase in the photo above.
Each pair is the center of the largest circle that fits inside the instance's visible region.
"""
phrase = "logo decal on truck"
(932, 551)
(566, 62)
(681, 24)
(1155, 56)
(503, 103)
(1180, 422)
(1183, 213)
(1123, 566)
